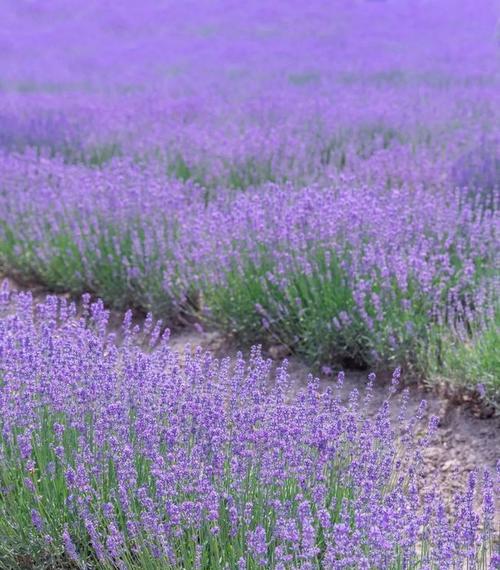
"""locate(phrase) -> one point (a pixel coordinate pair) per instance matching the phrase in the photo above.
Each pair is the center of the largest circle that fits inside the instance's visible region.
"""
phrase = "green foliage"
(43, 486)
(469, 361)
(315, 314)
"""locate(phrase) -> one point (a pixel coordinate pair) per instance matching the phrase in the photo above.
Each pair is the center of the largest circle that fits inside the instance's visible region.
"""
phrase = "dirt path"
(465, 439)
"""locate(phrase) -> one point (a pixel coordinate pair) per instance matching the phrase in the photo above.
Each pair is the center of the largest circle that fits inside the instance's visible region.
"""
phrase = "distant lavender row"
(244, 94)
(298, 137)
(113, 457)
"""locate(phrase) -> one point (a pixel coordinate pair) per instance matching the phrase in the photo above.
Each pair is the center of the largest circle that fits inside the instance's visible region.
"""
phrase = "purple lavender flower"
(69, 547)
(257, 545)
(36, 520)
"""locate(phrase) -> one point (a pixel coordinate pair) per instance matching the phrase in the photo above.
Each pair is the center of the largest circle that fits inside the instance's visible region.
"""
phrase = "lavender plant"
(367, 276)
(116, 455)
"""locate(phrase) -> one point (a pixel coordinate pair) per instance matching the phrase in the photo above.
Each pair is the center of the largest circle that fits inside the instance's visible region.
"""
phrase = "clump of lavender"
(359, 274)
(149, 460)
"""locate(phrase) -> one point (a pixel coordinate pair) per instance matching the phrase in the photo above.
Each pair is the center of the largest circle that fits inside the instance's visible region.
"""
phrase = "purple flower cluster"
(154, 459)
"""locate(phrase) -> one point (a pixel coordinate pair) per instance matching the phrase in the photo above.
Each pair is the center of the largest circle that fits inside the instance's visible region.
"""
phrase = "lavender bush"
(363, 275)
(128, 455)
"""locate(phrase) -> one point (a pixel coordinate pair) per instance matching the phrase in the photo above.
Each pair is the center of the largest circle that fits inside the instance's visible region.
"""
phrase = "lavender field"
(319, 178)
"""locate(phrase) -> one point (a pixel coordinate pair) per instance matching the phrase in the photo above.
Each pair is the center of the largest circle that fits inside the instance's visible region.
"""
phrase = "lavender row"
(370, 273)
(113, 456)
